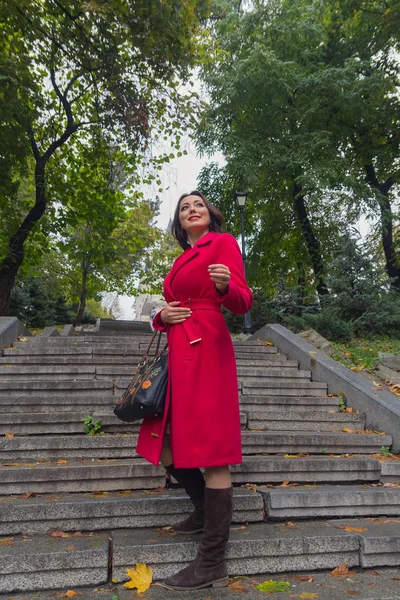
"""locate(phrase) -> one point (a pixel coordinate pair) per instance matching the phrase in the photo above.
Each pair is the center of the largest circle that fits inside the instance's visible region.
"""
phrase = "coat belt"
(192, 330)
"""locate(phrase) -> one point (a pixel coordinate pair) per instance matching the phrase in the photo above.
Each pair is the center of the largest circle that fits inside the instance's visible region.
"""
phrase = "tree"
(305, 108)
(71, 66)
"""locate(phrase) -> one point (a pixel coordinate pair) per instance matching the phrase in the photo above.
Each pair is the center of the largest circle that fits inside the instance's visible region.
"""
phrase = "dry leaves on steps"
(341, 571)
(140, 578)
(351, 529)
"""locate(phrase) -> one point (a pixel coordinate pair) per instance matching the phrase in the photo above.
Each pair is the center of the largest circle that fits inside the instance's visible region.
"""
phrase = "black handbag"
(145, 395)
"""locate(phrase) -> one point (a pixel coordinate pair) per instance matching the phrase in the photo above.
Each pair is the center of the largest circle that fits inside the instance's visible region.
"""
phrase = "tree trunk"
(312, 242)
(301, 282)
(12, 262)
(391, 266)
(82, 299)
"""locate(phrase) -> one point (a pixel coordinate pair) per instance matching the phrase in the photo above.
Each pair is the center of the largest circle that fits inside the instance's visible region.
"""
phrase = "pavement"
(373, 584)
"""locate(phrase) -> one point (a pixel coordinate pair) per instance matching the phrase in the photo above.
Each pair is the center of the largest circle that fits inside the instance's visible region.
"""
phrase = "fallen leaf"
(285, 483)
(9, 434)
(308, 578)
(340, 571)
(69, 594)
(305, 595)
(6, 541)
(375, 573)
(237, 586)
(290, 456)
(371, 585)
(274, 586)
(28, 495)
(62, 462)
(140, 578)
(349, 528)
(291, 524)
(353, 592)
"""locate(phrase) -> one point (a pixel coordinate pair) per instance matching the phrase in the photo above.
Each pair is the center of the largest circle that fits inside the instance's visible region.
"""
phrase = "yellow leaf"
(349, 528)
(9, 434)
(304, 595)
(340, 571)
(290, 456)
(69, 594)
(61, 462)
(140, 578)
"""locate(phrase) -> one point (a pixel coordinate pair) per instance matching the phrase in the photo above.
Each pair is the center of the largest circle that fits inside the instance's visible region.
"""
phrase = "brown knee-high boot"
(192, 481)
(209, 566)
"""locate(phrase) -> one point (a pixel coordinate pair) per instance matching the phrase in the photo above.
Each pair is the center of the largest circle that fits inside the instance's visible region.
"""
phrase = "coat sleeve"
(239, 297)
(158, 323)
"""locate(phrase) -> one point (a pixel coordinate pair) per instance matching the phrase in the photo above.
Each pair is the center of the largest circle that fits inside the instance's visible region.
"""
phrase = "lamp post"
(241, 198)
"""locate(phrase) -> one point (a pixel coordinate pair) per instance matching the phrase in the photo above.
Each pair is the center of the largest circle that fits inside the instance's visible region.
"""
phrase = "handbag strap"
(157, 353)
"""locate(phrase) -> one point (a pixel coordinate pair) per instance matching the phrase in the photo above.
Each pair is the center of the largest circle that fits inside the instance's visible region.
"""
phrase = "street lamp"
(241, 198)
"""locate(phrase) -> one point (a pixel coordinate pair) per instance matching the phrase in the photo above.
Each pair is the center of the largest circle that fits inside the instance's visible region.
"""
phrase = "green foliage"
(327, 323)
(304, 105)
(73, 73)
(364, 353)
(385, 451)
(37, 305)
(341, 405)
(91, 427)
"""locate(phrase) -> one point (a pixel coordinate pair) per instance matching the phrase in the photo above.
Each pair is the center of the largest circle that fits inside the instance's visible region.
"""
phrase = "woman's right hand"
(174, 314)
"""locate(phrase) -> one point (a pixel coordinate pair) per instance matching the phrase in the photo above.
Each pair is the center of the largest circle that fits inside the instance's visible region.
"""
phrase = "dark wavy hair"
(216, 219)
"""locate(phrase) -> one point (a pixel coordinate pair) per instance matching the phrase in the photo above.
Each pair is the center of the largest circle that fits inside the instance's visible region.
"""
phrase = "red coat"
(202, 405)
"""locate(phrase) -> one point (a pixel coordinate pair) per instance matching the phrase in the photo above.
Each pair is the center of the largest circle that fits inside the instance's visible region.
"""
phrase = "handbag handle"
(157, 353)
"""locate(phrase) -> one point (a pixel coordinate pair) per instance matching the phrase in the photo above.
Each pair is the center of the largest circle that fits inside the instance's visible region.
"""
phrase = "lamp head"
(241, 198)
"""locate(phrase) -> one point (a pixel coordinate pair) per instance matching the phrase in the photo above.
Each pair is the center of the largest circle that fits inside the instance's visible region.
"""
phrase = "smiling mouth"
(193, 218)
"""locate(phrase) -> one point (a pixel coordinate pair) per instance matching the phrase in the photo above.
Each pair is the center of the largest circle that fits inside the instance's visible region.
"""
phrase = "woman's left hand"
(221, 276)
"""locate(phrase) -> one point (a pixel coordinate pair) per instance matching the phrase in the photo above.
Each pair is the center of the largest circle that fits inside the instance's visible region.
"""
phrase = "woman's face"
(194, 216)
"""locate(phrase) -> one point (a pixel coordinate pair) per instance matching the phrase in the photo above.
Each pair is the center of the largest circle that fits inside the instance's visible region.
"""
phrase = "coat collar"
(188, 255)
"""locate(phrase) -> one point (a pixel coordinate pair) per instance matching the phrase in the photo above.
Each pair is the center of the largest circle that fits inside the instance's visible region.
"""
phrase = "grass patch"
(364, 354)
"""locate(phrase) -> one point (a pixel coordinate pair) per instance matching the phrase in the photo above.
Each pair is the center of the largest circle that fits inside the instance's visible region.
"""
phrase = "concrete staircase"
(77, 510)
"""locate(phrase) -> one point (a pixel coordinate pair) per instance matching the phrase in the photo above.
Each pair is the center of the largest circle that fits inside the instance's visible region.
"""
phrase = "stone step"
(94, 512)
(134, 473)
(278, 372)
(304, 420)
(42, 423)
(256, 402)
(271, 469)
(243, 352)
(390, 471)
(71, 447)
(330, 501)
(47, 351)
(43, 562)
(35, 359)
(379, 543)
(311, 442)
(45, 372)
(50, 401)
(15, 389)
(83, 401)
(62, 423)
(40, 562)
(275, 387)
(260, 548)
(79, 476)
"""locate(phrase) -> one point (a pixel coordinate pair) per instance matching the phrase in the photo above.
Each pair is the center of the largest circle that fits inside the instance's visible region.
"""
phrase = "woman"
(202, 408)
